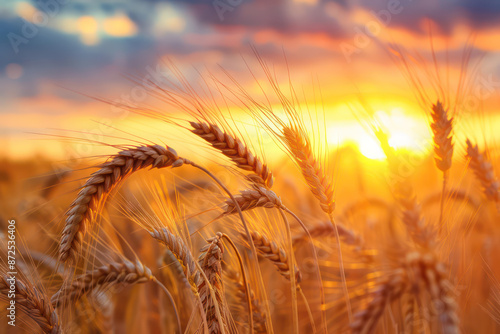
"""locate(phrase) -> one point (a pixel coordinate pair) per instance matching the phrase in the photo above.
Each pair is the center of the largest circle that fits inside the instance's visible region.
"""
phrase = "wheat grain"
(274, 253)
(253, 198)
(101, 183)
(300, 147)
(240, 294)
(210, 260)
(390, 289)
(32, 302)
(103, 277)
(415, 224)
(236, 150)
(441, 127)
(181, 253)
(431, 273)
(349, 237)
(483, 170)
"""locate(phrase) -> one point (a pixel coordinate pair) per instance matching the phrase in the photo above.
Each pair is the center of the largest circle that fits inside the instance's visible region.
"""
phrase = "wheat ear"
(255, 197)
(210, 261)
(431, 273)
(259, 316)
(299, 145)
(349, 237)
(101, 183)
(391, 288)
(274, 253)
(103, 277)
(443, 147)
(181, 252)
(442, 126)
(484, 172)
(415, 224)
(236, 150)
(33, 302)
(318, 183)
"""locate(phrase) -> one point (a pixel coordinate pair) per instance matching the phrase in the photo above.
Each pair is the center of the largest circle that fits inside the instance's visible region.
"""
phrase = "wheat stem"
(101, 183)
(315, 255)
(254, 257)
(292, 277)
(245, 280)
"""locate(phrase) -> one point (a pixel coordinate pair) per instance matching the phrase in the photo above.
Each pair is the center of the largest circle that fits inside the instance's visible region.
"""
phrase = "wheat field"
(149, 240)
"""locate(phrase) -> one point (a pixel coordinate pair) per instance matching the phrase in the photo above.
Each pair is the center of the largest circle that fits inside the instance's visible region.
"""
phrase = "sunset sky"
(54, 53)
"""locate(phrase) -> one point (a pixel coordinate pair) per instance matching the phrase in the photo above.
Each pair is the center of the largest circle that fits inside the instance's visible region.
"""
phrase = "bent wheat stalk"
(107, 276)
(247, 232)
(103, 277)
(210, 261)
(483, 170)
(248, 199)
(180, 251)
(33, 303)
(349, 237)
(415, 224)
(101, 183)
(243, 292)
(321, 187)
(276, 254)
(390, 289)
(234, 149)
(431, 274)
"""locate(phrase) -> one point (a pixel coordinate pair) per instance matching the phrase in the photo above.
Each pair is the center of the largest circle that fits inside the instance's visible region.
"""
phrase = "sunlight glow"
(26, 11)
(370, 148)
(119, 26)
(403, 132)
(88, 29)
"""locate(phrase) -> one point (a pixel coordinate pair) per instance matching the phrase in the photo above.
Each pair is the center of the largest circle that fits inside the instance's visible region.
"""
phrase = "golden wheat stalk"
(300, 147)
(415, 224)
(248, 199)
(443, 147)
(348, 236)
(390, 289)
(431, 273)
(442, 127)
(32, 302)
(182, 254)
(321, 186)
(276, 254)
(236, 150)
(101, 183)
(240, 295)
(210, 261)
(112, 274)
(409, 312)
(483, 170)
